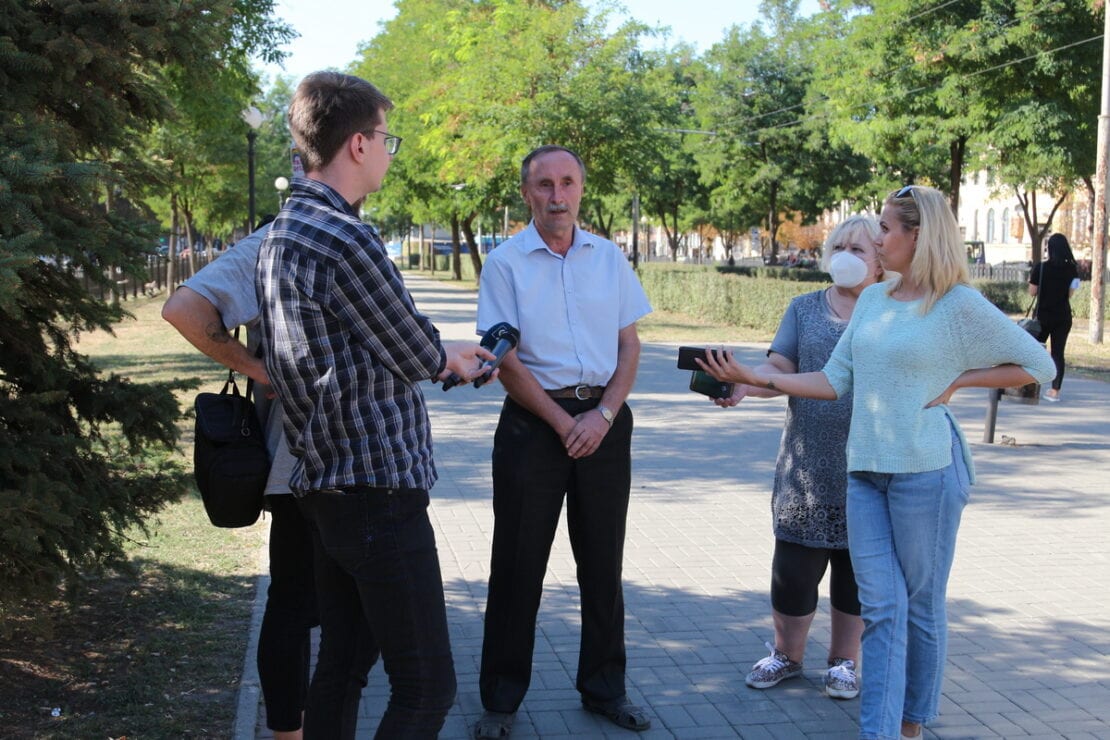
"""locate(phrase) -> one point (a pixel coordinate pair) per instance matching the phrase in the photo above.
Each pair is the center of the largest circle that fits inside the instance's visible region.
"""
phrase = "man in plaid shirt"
(346, 350)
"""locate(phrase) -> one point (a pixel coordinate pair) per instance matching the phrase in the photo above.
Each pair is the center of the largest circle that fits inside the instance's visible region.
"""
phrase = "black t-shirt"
(1053, 288)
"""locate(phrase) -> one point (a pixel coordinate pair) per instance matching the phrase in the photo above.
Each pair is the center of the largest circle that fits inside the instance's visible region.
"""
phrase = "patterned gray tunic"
(811, 473)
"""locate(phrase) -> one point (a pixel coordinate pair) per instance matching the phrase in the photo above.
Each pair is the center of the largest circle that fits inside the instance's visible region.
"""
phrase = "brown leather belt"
(581, 392)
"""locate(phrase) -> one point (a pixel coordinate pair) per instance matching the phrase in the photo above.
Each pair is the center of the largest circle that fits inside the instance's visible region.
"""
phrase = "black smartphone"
(707, 385)
(686, 357)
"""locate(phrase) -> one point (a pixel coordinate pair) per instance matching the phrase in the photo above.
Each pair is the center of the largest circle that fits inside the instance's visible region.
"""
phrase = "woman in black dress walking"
(1053, 283)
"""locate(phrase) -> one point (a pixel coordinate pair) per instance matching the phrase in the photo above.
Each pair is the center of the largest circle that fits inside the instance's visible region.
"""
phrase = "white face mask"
(847, 270)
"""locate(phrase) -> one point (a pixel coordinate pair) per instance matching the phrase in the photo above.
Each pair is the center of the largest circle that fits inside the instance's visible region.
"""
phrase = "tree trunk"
(171, 254)
(467, 226)
(773, 223)
(956, 150)
(189, 240)
(456, 249)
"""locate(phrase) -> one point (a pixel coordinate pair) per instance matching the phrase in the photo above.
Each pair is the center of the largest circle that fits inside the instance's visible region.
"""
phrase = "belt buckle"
(582, 389)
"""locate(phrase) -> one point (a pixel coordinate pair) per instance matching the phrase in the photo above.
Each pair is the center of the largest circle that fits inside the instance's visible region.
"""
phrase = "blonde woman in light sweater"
(911, 344)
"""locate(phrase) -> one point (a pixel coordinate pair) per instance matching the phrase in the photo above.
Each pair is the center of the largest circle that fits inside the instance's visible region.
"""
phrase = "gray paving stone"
(1029, 610)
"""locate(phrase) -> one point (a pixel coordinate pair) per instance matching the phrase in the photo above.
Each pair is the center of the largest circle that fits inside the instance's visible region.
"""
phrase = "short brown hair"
(327, 108)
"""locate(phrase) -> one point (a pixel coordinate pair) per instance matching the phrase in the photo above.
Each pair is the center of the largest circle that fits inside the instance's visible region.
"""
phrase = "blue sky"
(331, 30)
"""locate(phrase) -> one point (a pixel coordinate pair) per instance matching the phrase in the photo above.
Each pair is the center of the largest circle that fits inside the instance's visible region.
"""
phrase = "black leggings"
(797, 570)
(1057, 332)
(283, 643)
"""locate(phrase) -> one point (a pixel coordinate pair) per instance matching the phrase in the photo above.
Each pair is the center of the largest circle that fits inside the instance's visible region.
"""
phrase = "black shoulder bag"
(1031, 323)
(230, 460)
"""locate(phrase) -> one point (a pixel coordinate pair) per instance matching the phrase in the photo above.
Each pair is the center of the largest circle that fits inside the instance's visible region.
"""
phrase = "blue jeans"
(902, 536)
(379, 590)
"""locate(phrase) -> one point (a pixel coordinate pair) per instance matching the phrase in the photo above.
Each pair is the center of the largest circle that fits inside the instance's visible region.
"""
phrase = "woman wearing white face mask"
(811, 474)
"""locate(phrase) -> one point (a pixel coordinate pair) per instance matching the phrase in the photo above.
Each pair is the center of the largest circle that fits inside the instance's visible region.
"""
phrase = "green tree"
(1042, 139)
(499, 78)
(766, 153)
(83, 456)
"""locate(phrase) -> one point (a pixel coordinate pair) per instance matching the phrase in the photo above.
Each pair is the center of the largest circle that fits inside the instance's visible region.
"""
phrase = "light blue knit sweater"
(895, 361)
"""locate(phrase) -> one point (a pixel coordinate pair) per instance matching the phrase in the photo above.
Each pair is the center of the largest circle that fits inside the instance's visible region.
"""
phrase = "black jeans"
(531, 475)
(380, 591)
(283, 642)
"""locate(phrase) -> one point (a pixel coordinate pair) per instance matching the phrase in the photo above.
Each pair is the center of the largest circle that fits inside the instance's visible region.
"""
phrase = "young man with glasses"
(346, 351)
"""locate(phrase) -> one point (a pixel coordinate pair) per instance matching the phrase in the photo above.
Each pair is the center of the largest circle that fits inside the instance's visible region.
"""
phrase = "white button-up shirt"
(569, 309)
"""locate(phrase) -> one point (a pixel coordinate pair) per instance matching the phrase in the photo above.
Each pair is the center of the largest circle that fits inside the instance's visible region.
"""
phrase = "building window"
(990, 226)
(1005, 225)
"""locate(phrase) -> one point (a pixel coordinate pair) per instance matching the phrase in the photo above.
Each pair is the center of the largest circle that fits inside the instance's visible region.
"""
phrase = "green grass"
(157, 651)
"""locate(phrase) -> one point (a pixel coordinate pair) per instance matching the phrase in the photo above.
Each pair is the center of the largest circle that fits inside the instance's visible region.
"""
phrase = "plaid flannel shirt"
(346, 348)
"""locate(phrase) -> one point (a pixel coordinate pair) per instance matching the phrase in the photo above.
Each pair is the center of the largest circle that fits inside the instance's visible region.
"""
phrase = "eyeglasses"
(907, 190)
(392, 143)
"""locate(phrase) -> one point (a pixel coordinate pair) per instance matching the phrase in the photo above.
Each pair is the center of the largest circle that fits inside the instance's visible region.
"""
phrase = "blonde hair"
(843, 232)
(939, 260)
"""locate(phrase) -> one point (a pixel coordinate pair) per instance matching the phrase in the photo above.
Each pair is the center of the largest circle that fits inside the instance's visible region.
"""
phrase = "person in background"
(1053, 284)
(346, 350)
(564, 432)
(811, 478)
(911, 344)
(222, 295)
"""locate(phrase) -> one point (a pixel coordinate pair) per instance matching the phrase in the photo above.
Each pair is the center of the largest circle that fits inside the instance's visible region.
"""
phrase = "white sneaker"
(772, 669)
(840, 679)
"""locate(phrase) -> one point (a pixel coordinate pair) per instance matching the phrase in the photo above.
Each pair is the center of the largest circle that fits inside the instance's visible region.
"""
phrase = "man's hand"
(465, 360)
(585, 436)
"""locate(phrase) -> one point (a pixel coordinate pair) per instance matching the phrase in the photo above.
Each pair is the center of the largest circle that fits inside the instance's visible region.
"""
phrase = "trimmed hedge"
(722, 296)
(757, 297)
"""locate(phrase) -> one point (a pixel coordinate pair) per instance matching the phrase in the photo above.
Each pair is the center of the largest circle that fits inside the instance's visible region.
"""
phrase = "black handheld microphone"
(499, 339)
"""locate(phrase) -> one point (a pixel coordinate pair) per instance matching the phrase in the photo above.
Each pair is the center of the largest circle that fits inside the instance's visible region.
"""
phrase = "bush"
(722, 295)
(757, 297)
(1014, 297)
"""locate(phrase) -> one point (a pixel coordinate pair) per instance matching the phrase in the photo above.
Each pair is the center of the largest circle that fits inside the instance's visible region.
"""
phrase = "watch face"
(606, 413)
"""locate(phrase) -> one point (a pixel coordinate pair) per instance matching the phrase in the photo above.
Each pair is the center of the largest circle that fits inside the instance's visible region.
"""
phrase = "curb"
(250, 690)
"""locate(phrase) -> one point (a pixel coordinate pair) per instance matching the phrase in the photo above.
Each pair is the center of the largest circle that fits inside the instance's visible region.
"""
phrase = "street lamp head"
(252, 116)
(281, 183)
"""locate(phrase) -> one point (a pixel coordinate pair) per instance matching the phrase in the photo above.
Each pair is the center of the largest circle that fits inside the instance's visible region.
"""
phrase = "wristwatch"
(606, 414)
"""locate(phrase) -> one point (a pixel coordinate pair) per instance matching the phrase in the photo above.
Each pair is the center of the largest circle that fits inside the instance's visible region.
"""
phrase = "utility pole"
(1098, 247)
(635, 231)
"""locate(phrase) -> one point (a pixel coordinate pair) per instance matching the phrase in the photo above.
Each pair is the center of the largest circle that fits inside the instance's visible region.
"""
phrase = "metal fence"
(121, 287)
(1005, 272)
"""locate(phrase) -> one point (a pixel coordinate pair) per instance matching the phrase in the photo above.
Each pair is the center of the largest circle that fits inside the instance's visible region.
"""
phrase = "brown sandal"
(620, 712)
(494, 725)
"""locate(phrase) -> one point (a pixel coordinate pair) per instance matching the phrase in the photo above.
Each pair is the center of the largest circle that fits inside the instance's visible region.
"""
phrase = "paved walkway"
(1029, 599)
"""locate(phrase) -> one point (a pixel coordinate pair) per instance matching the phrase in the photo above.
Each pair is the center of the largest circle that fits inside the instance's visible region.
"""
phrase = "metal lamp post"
(253, 118)
(281, 184)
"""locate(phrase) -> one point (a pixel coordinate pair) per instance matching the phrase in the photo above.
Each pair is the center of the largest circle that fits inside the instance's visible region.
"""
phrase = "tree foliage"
(83, 455)
(500, 77)
(765, 157)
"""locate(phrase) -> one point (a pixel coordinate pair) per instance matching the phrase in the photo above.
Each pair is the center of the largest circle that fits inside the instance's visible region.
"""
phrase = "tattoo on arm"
(217, 333)
(771, 385)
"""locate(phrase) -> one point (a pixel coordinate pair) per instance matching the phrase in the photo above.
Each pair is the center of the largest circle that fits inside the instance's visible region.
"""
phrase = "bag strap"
(230, 383)
(248, 394)
(1037, 298)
